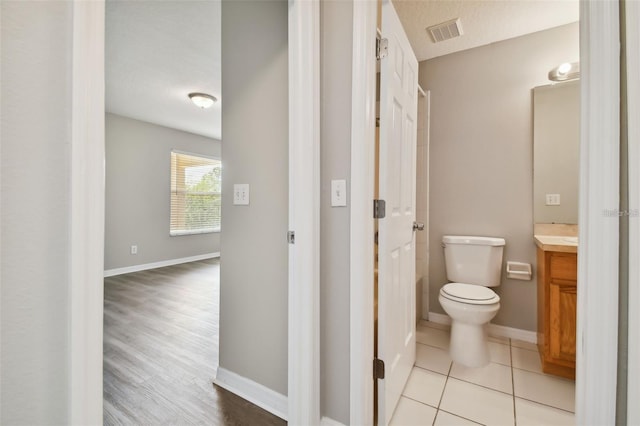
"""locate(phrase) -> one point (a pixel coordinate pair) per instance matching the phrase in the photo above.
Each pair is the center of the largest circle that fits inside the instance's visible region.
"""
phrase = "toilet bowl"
(471, 308)
(473, 264)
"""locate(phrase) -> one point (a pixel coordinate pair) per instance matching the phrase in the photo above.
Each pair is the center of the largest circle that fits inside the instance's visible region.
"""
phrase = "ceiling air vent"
(445, 30)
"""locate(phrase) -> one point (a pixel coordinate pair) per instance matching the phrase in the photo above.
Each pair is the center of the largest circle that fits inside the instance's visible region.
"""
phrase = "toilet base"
(469, 344)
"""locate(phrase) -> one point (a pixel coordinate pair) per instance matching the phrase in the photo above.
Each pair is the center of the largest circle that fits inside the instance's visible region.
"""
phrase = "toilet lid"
(469, 293)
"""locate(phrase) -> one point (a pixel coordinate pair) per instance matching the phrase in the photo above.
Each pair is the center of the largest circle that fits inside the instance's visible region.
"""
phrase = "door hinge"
(382, 48)
(291, 237)
(379, 209)
(378, 368)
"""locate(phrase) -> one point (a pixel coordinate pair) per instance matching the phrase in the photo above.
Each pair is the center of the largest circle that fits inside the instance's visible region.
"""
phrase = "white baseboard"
(327, 421)
(494, 329)
(253, 392)
(439, 318)
(513, 333)
(161, 264)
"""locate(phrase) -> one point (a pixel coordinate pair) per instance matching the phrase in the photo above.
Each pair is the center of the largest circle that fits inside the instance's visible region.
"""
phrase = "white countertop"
(560, 243)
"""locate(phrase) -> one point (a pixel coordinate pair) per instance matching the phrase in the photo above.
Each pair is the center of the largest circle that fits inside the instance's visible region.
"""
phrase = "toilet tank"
(473, 260)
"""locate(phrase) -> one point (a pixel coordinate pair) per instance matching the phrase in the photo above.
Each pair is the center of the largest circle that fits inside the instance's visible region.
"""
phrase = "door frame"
(87, 213)
(633, 107)
(597, 363)
(597, 335)
(304, 213)
(86, 267)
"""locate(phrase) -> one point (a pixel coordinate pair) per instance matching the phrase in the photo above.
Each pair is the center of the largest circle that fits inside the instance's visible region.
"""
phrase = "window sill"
(194, 232)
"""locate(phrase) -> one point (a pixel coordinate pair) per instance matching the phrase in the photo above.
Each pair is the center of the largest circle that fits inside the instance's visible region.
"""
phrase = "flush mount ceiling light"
(564, 72)
(202, 100)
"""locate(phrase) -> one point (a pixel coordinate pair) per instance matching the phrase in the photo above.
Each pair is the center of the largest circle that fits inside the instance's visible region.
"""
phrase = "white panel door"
(396, 250)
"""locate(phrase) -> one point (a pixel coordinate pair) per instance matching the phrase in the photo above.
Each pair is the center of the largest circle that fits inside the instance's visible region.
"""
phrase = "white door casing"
(632, 10)
(598, 256)
(86, 266)
(592, 402)
(397, 179)
(304, 217)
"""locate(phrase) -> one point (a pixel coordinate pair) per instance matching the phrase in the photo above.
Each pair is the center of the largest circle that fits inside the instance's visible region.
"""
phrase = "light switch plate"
(338, 193)
(241, 194)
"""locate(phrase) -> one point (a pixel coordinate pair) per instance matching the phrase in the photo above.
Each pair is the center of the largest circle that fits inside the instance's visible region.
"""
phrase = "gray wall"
(253, 272)
(481, 153)
(138, 177)
(335, 145)
(35, 198)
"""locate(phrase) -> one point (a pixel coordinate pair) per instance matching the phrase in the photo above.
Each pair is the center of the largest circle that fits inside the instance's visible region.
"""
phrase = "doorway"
(163, 211)
(587, 28)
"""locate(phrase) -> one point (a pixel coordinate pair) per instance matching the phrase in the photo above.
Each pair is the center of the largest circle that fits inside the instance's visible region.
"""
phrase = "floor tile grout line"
(513, 386)
(500, 363)
(481, 386)
(551, 376)
(416, 400)
(430, 370)
(525, 349)
(432, 346)
(429, 324)
(462, 417)
(546, 405)
(444, 388)
(438, 372)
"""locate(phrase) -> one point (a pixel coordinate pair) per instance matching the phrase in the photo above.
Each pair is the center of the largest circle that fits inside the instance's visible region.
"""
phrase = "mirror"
(556, 137)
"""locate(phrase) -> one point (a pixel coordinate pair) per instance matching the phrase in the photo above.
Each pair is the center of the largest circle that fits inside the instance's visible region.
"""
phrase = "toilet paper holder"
(519, 271)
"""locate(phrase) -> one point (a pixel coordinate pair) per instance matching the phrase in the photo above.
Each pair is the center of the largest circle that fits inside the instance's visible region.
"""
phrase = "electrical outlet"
(134, 249)
(553, 200)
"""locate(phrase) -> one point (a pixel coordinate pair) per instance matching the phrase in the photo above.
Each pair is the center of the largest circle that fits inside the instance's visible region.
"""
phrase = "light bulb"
(564, 68)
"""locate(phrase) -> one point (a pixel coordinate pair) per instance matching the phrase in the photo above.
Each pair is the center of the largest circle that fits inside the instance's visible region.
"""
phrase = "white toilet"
(473, 264)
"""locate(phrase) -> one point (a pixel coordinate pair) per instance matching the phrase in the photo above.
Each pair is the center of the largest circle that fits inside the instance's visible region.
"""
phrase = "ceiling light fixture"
(566, 71)
(202, 100)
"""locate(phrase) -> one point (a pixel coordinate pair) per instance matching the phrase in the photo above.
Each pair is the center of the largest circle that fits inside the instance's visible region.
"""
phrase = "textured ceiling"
(156, 53)
(159, 51)
(483, 22)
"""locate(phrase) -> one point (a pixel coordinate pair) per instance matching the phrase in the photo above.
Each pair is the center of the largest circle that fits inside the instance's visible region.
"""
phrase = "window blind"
(195, 194)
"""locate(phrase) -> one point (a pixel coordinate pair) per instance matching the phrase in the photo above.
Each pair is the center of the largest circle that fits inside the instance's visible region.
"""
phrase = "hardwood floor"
(160, 349)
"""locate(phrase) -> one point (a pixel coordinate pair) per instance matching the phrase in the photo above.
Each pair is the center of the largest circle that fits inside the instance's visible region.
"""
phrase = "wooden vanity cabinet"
(557, 302)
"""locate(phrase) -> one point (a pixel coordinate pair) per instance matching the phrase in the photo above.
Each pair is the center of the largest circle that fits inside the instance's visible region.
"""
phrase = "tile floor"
(511, 390)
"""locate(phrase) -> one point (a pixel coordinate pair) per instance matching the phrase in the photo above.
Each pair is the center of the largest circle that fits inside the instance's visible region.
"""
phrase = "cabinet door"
(562, 320)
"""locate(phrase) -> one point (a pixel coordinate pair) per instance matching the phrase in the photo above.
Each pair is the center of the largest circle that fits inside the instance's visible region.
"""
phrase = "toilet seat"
(469, 293)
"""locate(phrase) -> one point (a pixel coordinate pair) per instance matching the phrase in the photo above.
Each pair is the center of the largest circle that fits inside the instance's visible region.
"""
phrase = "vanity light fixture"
(566, 71)
(202, 100)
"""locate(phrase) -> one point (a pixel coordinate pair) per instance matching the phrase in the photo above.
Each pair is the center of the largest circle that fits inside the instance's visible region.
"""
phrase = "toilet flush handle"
(418, 226)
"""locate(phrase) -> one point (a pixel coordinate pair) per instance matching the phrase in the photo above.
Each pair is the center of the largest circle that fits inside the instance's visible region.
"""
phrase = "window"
(195, 194)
